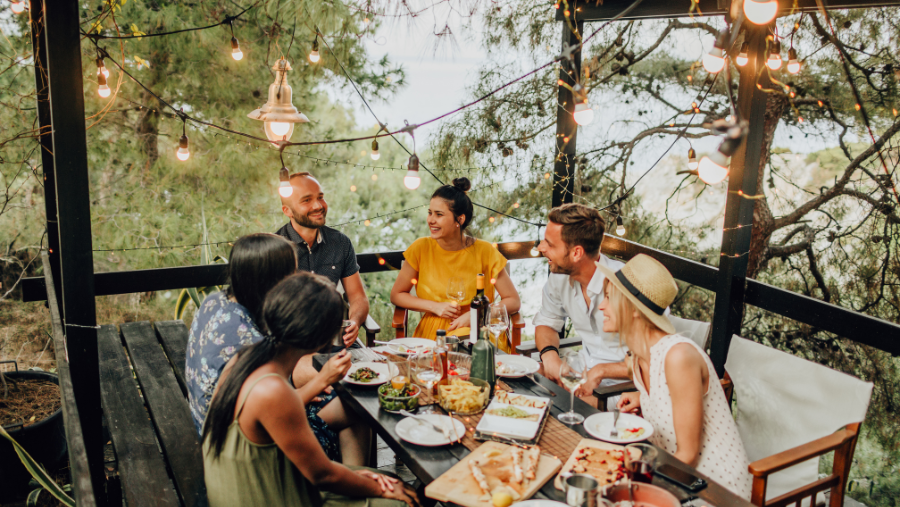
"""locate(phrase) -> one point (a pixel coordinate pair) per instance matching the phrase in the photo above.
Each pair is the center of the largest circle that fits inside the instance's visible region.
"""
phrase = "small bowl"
(394, 404)
(484, 397)
(461, 365)
(643, 494)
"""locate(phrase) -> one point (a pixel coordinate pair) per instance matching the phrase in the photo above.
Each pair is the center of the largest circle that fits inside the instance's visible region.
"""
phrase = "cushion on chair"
(784, 401)
(696, 330)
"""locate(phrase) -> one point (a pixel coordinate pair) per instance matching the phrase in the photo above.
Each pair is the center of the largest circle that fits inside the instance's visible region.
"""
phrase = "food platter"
(518, 417)
(631, 428)
(603, 461)
(384, 372)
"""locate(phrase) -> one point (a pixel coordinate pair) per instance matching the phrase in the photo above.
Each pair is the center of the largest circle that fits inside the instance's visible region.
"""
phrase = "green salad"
(395, 400)
(364, 375)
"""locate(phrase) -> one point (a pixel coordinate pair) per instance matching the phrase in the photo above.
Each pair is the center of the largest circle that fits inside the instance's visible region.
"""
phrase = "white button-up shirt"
(562, 298)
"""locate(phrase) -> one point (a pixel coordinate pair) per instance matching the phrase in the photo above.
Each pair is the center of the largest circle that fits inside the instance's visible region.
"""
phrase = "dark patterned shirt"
(332, 256)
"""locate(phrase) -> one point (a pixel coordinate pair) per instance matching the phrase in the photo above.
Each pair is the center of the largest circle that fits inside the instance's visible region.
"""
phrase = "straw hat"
(648, 285)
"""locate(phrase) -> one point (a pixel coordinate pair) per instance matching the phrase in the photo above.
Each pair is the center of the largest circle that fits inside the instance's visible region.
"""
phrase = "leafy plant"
(38, 473)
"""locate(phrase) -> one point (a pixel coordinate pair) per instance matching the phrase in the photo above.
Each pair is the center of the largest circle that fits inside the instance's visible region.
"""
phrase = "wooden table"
(428, 463)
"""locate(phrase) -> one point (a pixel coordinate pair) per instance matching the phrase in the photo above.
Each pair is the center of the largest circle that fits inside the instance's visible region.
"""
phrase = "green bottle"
(483, 359)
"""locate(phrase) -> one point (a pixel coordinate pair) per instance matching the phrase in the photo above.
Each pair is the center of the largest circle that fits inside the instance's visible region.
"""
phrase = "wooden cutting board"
(458, 486)
(585, 443)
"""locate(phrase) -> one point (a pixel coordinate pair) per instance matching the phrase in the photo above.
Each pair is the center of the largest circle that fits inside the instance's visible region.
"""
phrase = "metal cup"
(452, 343)
(338, 340)
(582, 490)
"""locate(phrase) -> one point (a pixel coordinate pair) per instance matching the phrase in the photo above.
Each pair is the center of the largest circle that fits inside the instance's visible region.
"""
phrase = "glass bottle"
(483, 359)
(441, 349)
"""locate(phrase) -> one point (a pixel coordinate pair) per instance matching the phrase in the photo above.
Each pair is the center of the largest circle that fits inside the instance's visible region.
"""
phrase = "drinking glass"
(456, 289)
(499, 321)
(573, 373)
(427, 370)
(640, 462)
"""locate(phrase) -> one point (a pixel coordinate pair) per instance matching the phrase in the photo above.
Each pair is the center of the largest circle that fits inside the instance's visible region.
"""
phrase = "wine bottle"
(440, 348)
(483, 359)
(477, 309)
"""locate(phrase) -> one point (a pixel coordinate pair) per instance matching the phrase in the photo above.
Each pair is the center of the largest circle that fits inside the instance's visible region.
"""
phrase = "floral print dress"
(220, 329)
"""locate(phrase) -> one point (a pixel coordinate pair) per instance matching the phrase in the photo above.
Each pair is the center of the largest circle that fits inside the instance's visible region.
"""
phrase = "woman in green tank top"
(258, 447)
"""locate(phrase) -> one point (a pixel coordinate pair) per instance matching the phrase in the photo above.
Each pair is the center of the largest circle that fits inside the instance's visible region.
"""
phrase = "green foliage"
(38, 472)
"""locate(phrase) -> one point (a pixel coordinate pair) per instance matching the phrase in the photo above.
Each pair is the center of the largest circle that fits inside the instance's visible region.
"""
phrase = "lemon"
(502, 499)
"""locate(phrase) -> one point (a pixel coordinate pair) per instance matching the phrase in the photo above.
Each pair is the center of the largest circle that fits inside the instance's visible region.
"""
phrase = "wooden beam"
(62, 39)
(743, 181)
(566, 128)
(663, 9)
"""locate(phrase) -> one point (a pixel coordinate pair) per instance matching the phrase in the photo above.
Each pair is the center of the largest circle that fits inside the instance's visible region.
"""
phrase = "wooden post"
(42, 86)
(742, 181)
(70, 174)
(566, 128)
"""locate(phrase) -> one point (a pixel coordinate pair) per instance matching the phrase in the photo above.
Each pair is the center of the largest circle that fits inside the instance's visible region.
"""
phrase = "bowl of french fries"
(464, 397)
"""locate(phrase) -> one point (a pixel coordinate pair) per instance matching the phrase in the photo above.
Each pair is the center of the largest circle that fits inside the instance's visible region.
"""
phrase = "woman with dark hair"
(258, 448)
(228, 321)
(448, 252)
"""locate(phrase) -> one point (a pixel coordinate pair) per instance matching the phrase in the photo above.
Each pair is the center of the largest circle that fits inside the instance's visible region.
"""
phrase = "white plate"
(541, 503)
(508, 426)
(520, 365)
(420, 433)
(384, 374)
(599, 425)
(417, 344)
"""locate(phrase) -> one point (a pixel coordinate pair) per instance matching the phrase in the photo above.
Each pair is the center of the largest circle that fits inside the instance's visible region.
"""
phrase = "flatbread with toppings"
(605, 462)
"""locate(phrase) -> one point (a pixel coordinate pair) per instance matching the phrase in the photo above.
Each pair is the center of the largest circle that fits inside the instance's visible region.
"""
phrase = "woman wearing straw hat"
(678, 391)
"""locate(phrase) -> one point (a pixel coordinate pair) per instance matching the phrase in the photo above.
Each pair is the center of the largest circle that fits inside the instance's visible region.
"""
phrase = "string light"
(412, 180)
(620, 226)
(774, 62)
(17, 7)
(353, 188)
(183, 152)
(534, 250)
(793, 65)
(103, 89)
(714, 168)
(714, 61)
(101, 68)
(583, 115)
(284, 186)
(375, 154)
(278, 113)
(760, 12)
(314, 54)
(236, 52)
(692, 159)
(742, 57)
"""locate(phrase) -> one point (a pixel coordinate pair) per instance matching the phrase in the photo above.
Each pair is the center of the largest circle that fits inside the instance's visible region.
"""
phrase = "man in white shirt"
(574, 290)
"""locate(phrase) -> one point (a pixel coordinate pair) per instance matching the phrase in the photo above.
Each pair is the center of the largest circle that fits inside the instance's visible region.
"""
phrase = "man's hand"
(551, 365)
(629, 402)
(594, 376)
(350, 333)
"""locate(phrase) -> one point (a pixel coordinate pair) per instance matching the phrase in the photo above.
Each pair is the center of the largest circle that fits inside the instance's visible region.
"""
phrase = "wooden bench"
(143, 393)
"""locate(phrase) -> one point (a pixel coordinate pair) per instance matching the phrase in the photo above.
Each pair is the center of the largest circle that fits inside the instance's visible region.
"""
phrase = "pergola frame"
(57, 49)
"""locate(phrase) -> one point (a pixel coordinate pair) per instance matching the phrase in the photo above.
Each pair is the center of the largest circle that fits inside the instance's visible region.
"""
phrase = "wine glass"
(573, 373)
(640, 462)
(456, 289)
(499, 321)
(427, 370)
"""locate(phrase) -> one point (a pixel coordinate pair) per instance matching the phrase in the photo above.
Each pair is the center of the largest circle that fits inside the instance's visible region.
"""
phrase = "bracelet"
(545, 349)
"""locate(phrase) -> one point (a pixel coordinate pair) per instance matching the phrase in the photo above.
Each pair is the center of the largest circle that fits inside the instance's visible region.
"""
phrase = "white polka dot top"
(722, 455)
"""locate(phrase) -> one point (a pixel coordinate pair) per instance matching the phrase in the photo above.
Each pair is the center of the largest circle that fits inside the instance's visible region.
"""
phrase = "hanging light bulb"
(793, 65)
(534, 250)
(183, 152)
(620, 226)
(284, 187)
(103, 90)
(714, 61)
(412, 180)
(774, 62)
(314, 54)
(375, 154)
(101, 68)
(236, 52)
(760, 12)
(583, 113)
(742, 57)
(692, 159)
(278, 113)
(18, 7)
(714, 168)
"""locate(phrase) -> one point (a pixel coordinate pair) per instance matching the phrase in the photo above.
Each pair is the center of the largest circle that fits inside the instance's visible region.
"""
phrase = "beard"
(562, 269)
(305, 221)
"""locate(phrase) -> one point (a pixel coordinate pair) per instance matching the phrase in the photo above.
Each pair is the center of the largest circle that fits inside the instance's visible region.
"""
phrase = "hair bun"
(462, 184)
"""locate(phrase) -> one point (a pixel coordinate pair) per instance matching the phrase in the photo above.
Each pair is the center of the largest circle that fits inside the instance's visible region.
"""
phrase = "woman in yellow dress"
(450, 252)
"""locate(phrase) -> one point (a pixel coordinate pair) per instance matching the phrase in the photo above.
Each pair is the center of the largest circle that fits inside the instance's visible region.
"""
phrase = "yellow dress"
(435, 267)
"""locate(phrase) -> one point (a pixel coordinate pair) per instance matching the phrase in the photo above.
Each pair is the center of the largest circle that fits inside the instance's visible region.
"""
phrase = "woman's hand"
(386, 483)
(629, 402)
(446, 310)
(463, 320)
(405, 494)
(335, 369)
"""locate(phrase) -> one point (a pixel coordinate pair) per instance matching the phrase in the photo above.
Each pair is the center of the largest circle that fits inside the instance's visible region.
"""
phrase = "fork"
(542, 386)
(439, 427)
(614, 433)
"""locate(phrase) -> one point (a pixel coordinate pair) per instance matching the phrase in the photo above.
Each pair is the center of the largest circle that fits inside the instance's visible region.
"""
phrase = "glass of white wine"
(427, 370)
(573, 373)
(499, 322)
(456, 290)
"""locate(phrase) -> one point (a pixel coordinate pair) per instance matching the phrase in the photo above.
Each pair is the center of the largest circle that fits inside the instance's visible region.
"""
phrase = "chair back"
(784, 401)
(696, 330)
